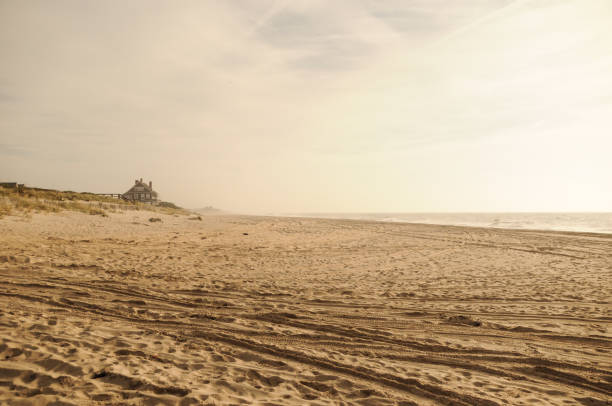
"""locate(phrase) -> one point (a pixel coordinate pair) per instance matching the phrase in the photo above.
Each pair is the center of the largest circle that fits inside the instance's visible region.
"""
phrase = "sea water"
(577, 222)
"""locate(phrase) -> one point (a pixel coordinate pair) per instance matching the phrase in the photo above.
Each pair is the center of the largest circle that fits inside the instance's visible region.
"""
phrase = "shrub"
(27, 200)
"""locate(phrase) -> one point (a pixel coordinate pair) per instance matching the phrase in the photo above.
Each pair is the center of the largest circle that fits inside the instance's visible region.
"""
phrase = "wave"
(576, 222)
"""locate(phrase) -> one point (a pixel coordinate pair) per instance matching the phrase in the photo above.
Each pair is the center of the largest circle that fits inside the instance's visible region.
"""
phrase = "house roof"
(144, 186)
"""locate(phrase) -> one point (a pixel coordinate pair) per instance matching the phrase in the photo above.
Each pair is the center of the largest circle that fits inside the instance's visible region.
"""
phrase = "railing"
(115, 195)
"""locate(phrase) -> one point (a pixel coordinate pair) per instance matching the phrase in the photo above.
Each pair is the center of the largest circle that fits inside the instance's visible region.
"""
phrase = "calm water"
(583, 222)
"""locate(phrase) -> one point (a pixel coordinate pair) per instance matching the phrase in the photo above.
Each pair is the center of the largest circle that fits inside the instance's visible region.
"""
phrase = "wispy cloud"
(480, 20)
(231, 94)
(7, 98)
(276, 7)
(10, 150)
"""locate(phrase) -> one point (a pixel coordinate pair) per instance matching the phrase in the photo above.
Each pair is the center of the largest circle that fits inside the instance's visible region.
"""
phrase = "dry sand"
(120, 310)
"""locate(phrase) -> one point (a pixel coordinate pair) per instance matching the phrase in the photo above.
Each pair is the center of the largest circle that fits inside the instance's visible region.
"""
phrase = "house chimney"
(150, 185)
(136, 182)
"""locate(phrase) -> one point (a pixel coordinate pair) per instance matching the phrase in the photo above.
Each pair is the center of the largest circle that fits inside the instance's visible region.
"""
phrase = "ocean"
(577, 222)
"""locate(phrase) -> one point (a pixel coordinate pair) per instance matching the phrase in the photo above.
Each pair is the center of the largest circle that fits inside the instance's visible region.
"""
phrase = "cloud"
(9, 150)
(276, 7)
(261, 96)
(7, 98)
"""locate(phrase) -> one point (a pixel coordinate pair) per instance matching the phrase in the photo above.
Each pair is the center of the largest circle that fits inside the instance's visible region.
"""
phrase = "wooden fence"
(115, 195)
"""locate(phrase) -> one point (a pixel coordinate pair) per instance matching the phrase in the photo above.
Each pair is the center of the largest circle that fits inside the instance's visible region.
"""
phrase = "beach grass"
(25, 201)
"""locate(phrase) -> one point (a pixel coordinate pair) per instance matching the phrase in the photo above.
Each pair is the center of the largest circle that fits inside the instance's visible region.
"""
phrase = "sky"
(302, 106)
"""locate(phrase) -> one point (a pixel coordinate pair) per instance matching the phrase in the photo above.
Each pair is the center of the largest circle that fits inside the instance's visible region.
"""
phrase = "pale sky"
(267, 106)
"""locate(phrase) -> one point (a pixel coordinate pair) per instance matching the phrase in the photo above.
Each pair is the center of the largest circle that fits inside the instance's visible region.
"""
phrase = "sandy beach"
(236, 310)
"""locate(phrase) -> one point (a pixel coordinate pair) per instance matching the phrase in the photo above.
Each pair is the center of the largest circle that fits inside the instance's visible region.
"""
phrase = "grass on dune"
(33, 200)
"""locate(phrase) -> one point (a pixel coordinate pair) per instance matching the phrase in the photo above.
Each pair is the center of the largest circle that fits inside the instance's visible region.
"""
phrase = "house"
(141, 192)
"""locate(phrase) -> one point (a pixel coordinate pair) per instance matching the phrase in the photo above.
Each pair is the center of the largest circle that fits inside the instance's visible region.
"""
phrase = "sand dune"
(277, 311)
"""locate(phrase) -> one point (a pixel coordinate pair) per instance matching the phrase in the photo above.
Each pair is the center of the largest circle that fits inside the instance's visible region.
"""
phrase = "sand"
(289, 311)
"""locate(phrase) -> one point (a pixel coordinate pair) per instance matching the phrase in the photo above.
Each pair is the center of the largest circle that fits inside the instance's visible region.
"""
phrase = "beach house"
(141, 192)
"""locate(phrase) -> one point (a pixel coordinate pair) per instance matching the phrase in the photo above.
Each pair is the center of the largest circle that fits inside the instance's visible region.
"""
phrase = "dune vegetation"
(27, 200)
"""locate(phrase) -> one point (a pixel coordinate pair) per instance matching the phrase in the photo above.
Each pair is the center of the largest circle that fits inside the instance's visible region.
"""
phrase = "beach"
(120, 310)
